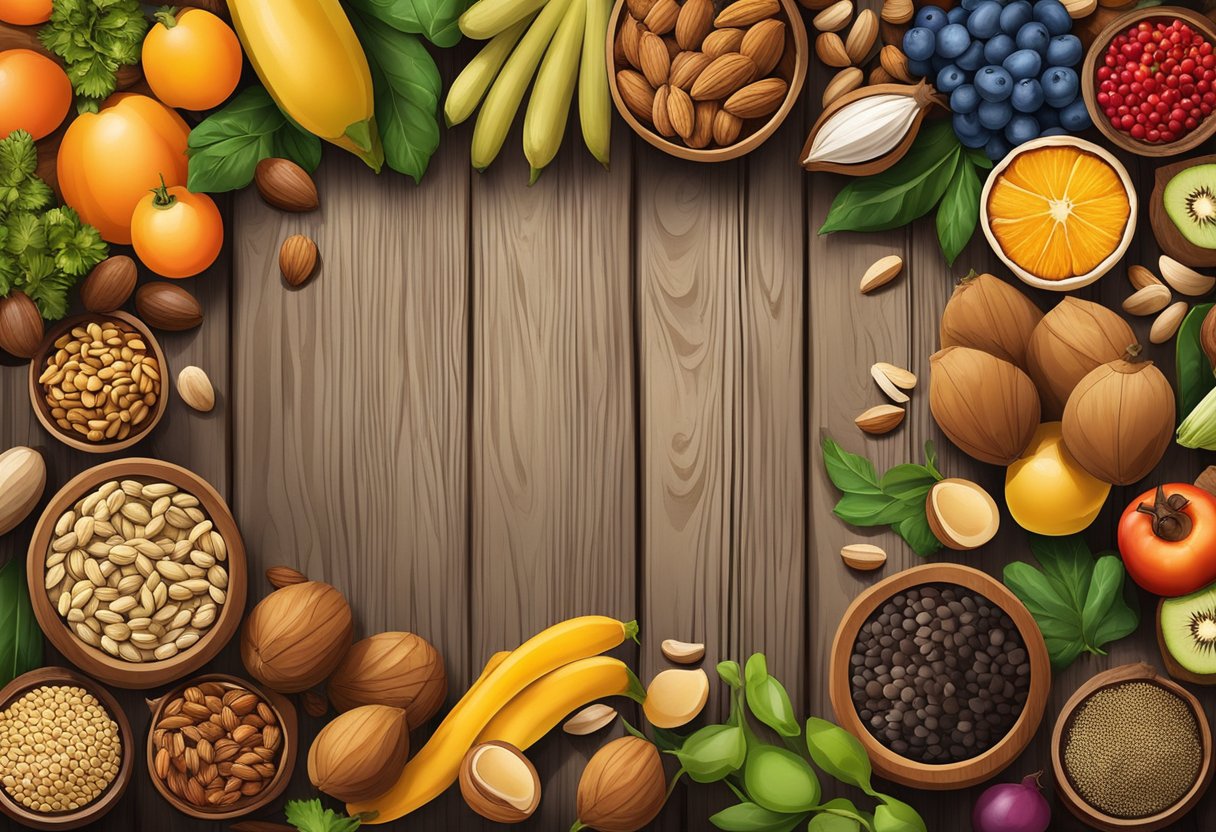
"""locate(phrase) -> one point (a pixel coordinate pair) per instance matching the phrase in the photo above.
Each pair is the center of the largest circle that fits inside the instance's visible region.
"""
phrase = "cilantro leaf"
(311, 816)
(95, 38)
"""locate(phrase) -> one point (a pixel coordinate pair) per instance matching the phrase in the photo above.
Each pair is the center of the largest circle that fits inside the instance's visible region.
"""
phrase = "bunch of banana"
(566, 38)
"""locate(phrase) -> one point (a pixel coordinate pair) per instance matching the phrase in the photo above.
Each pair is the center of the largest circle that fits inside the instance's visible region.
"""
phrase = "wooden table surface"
(499, 406)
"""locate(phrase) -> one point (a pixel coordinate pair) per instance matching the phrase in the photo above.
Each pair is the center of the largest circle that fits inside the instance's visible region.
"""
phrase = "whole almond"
(1148, 301)
(902, 378)
(694, 22)
(637, 93)
(746, 12)
(630, 38)
(589, 720)
(656, 63)
(281, 576)
(861, 37)
(285, 185)
(619, 60)
(1141, 277)
(167, 306)
(863, 556)
(764, 43)
(673, 47)
(21, 329)
(830, 49)
(109, 284)
(1167, 323)
(898, 12)
(878, 75)
(686, 68)
(722, 42)
(757, 99)
(895, 63)
(703, 123)
(726, 128)
(662, 121)
(661, 18)
(881, 419)
(882, 272)
(195, 389)
(723, 76)
(297, 259)
(639, 8)
(680, 112)
(835, 17)
(847, 80)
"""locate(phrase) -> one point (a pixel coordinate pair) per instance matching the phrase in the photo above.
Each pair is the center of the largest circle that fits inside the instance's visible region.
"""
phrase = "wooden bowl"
(284, 712)
(112, 794)
(1095, 56)
(1169, 238)
(98, 663)
(43, 410)
(942, 776)
(1076, 804)
(792, 67)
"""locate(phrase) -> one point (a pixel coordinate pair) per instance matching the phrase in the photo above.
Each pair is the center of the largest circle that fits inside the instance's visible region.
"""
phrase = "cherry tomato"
(35, 93)
(25, 12)
(191, 59)
(177, 233)
(1167, 537)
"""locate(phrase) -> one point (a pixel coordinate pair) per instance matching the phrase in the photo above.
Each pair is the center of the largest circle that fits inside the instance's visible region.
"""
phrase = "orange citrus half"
(1059, 209)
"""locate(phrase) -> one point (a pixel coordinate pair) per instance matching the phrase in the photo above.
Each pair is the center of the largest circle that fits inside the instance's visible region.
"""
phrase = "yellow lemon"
(1047, 491)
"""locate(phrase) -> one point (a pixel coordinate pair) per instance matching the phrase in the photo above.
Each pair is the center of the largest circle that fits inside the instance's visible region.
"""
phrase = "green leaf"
(311, 816)
(20, 638)
(896, 816)
(845, 808)
(870, 509)
(1120, 618)
(849, 472)
(832, 823)
(908, 481)
(780, 780)
(713, 753)
(918, 534)
(838, 753)
(435, 19)
(768, 699)
(748, 817)
(1195, 374)
(959, 211)
(729, 672)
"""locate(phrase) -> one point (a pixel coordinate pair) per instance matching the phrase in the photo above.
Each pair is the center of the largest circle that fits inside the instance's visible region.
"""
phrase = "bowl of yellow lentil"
(66, 751)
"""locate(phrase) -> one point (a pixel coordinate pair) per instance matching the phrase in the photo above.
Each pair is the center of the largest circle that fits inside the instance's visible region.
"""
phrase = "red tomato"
(177, 233)
(25, 12)
(1167, 537)
(35, 93)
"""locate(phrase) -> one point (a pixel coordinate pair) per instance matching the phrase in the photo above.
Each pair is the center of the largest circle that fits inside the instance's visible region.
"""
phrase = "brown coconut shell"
(296, 636)
(1119, 420)
(398, 669)
(359, 755)
(988, 314)
(1072, 340)
(986, 406)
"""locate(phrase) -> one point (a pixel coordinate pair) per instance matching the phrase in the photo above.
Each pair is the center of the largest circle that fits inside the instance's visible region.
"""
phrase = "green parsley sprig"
(95, 38)
(311, 816)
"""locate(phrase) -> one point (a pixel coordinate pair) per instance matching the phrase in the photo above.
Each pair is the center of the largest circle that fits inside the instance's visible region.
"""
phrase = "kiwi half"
(1188, 630)
(1190, 202)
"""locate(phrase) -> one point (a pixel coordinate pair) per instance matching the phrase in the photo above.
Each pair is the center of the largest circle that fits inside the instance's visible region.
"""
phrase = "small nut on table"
(195, 389)
(286, 185)
(589, 720)
(499, 782)
(297, 259)
(880, 419)
(863, 556)
(682, 652)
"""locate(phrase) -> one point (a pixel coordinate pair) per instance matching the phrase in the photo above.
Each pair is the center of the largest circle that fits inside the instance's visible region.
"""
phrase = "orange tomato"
(25, 12)
(109, 160)
(177, 233)
(35, 93)
(192, 59)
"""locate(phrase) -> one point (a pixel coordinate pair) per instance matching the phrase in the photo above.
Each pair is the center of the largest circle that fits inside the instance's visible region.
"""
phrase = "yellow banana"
(436, 766)
(486, 18)
(594, 106)
(502, 102)
(308, 57)
(536, 711)
(549, 107)
(471, 84)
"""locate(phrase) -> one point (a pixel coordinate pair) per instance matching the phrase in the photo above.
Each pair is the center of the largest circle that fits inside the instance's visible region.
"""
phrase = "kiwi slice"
(1190, 202)
(1188, 629)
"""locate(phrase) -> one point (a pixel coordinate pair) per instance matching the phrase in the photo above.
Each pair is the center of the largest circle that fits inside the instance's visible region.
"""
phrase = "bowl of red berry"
(1149, 80)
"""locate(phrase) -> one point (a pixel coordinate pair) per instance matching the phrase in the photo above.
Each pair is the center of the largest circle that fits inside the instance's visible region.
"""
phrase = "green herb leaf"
(833, 823)
(311, 816)
(1107, 615)
(729, 672)
(20, 638)
(435, 19)
(768, 699)
(780, 780)
(1195, 374)
(896, 816)
(918, 534)
(959, 211)
(849, 472)
(748, 817)
(838, 753)
(845, 808)
(95, 38)
(714, 752)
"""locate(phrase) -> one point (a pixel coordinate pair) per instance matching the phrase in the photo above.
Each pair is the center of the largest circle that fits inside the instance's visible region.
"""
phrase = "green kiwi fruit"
(1188, 630)
(1190, 202)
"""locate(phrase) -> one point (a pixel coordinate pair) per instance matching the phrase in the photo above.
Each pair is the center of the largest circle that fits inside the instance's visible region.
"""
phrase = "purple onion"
(1012, 807)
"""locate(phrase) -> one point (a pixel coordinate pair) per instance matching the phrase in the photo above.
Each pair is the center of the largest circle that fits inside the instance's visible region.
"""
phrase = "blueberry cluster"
(1008, 67)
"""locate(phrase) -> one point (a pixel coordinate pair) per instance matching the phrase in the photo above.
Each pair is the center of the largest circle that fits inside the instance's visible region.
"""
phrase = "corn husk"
(1071, 341)
(1198, 429)
(986, 406)
(986, 313)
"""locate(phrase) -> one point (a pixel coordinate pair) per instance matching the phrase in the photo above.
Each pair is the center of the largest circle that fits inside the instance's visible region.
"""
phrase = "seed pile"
(940, 674)
(1133, 750)
(137, 570)
(59, 749)
(216, 744)
(102, 382)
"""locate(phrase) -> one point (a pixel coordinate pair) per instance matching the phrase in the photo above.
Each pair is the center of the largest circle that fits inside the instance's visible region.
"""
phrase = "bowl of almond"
(706, 84)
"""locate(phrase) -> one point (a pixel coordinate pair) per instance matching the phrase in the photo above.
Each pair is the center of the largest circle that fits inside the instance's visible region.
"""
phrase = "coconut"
(1120, 419)
(986, 406)
(1071, 340)
(988, 314)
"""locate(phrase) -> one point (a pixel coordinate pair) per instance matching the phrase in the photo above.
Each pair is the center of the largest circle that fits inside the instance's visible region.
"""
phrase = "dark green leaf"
(1121, 618)
(1194, 373)
(748, 817)
(713, 752)
(849, 472)
(435, 19)
(768, 699)
(20, 638)
(908, 481)
(838, 753)
(917, 533)
(931, 459)
(959, 210)
(869, 509)
(1067, 563)
(978, 158)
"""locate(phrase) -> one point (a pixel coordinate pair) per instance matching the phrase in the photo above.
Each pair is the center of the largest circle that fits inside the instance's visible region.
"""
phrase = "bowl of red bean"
(1149, 80)
(941, 673)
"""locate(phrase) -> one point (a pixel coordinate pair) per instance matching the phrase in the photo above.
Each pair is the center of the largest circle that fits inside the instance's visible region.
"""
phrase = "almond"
(878, 75)
(862, 36)
(863, 556)
(887, 386)
(109, 284)
(1140, 277)
(662, 121)
(195, 389)
(722, 42)
(694, 22)
(1167, 323)
(830, 49)
(297, 259)
(1182, 278)
(637, 94)
(686, 68)
(680, 112)
(880, 419)
(285, 185)
(746, 12)
(898, 12)
(619, 60)
(661, 18)
(21, 329)
(758, 99)
(764, 43)
(630, 37)
(1148, 301)
(900, 377)
(726, 128)
(673, 47)
(847, 80)
(882, 272)
(167, 306)
(703, 123)
(895, 63)
(682, 652)
(656, 63)
(835, 17)
(723, 76)
(639, 8)
(589, 720)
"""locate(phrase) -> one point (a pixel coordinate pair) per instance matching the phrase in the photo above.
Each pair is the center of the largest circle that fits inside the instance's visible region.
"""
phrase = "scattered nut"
(682, 652)
(285, 185)
(109, 284)
(880, 419)
(1141, 277)
(297, 259)
(1167, 323)
(1184, 279)
(862, 37)
(882, 272)
(1148, 301)
(887, 385)
(845, 81)
(863, 556)
(195, 389)
(835, 17)
(589, 720)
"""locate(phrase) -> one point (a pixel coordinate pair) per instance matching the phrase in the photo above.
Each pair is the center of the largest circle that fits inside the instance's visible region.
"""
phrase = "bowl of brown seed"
(137, 572)
(96, 382)
(221, 747)
(66, 752)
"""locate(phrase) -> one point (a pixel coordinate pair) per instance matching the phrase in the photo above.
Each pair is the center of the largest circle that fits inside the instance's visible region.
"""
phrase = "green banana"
(549, 107)
(594, 106)
(486, 18)
(471, 84)
(502, 102)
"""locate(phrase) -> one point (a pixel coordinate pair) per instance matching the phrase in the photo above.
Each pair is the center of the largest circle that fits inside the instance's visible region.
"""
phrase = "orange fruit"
(25, 12)
(1059, 211)
(35, 93)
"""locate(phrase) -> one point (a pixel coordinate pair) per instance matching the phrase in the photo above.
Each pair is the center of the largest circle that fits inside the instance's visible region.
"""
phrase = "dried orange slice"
(1060, 211)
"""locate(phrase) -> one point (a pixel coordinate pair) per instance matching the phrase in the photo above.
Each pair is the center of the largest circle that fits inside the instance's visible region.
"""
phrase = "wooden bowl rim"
(944, 776)
(1108, 263)
(795, 28)
(118, 786)
(1136, 672)
(42, 410)
(96, 662)
(1089, 68)
(284, 711)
